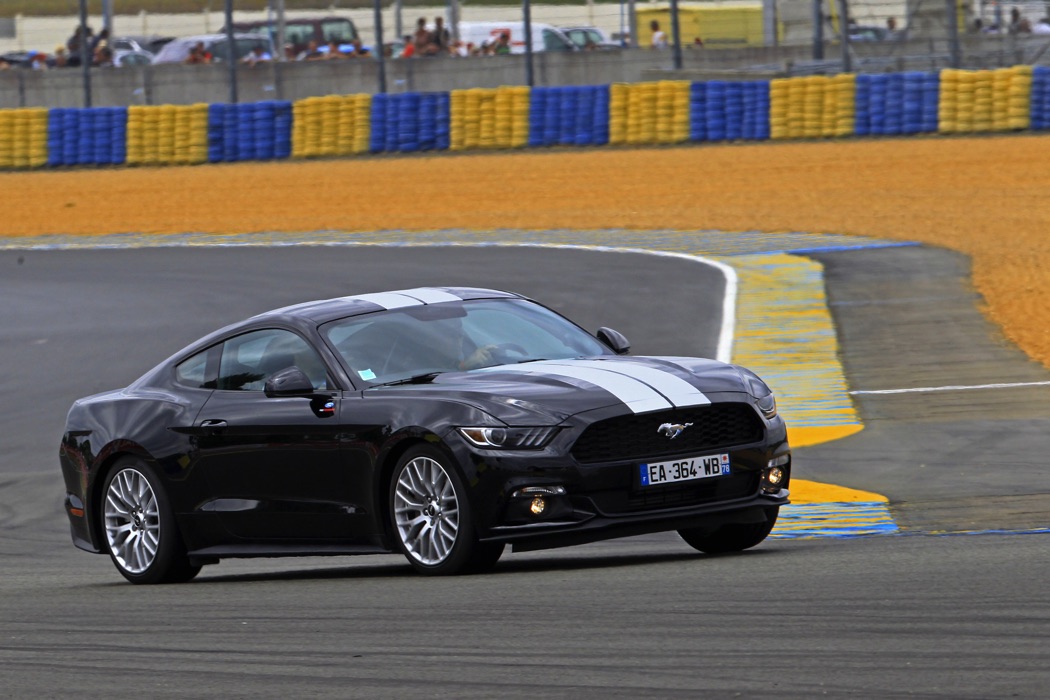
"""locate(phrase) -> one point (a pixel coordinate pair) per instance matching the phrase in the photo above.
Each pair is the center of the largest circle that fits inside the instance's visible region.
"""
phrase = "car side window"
(198, 371)
(339, 30)
(250, 359)
(553, 42)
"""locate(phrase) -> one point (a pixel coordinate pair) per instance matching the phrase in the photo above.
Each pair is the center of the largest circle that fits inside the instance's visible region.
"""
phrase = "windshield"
(393, 345)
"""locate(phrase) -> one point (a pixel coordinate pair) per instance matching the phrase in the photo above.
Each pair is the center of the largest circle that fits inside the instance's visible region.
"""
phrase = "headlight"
(767, 403)
(509, 438)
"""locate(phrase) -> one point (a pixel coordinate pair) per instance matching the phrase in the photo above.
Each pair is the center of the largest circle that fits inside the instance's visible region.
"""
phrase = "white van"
(545, 37)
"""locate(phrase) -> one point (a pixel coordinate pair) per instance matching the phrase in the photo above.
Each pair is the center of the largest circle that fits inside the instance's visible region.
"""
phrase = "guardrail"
(665, 112)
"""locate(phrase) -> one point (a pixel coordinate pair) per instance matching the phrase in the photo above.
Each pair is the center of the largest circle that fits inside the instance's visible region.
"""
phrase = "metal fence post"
(232, 59)
(676, 36)
(85, 53)
(377, 50)
(847, 64)
(526, 11)
(953, 33)
(818, 30)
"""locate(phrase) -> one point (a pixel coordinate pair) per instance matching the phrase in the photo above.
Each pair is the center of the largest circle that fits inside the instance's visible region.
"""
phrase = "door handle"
(213, 425)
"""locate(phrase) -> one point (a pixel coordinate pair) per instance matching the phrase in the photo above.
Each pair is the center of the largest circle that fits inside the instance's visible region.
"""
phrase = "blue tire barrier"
(537, 108)
(1040, 101)
(734, 111)
(698, 111)
(601, 115)
(216, 118)
(862, 106)
(249, 131)
(427, 117)
(894, 111)
(55, 123)
(93, 136)
(377, 138)
(443, 121)
(715, 110)
(282, 129)
(931, 102)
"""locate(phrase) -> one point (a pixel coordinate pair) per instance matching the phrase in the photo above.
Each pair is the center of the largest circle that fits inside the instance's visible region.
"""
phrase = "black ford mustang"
(441, 423)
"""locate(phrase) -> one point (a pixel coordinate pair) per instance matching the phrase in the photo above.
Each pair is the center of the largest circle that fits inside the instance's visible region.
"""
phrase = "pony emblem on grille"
(672, 430)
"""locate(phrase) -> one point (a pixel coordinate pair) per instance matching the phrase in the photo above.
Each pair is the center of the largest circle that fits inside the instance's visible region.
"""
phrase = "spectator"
(60, 59)
(359, 49)
(1018, 24)
(198, 54)
(4, 65)
(891, 28)
(334, 52)
(502, 45)
(103, 56)
(77, 39)
(100, 39)
(409, 49)
(421, 39)
(257, 55)
(659, 39)
(440, 37)
(310, 53)
(38, 60)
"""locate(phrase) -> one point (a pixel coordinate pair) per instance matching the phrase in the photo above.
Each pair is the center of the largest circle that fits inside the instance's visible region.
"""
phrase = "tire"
(141, 534)
(431, 519)
(733, 537)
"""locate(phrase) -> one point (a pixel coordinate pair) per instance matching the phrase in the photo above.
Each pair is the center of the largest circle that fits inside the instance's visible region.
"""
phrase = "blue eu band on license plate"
(686, 469)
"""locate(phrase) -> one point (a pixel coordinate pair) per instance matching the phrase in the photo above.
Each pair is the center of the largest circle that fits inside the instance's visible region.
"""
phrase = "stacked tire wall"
(665, 112)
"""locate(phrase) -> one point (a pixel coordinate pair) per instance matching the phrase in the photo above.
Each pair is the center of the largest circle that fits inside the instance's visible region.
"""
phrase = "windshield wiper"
(415, 379)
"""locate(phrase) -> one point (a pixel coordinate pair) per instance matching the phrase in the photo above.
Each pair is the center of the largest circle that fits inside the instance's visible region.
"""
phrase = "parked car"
(545, 37)
(124, 57)
(441, 423)
(152, 43)
(590, 38)
(178, 50)
(300, 31)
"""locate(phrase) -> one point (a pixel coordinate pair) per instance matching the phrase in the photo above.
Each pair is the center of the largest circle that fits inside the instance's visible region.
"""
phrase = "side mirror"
(290, 381)
(616, 341)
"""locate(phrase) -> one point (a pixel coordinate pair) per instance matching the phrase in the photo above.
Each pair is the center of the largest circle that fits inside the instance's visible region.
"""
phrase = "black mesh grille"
(636, 437)
(722, 488)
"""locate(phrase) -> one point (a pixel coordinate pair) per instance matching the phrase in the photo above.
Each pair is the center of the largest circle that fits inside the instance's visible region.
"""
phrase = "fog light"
(774, 476)
(538, 505)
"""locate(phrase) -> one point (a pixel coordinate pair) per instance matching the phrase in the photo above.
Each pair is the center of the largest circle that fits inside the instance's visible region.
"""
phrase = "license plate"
(687, 469)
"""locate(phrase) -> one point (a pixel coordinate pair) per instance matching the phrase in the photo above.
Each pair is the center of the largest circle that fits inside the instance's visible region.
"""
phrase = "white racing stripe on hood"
(428, 295)
(388, 300)
(675, 389)
(637, 395)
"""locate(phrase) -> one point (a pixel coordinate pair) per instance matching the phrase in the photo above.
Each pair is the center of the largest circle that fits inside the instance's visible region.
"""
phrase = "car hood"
(549, 391)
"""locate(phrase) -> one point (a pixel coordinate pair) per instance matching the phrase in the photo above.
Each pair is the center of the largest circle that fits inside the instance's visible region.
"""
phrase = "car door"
(274, 465)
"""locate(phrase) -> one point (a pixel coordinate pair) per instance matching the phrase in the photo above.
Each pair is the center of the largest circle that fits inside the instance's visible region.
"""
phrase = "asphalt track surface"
(914, 615)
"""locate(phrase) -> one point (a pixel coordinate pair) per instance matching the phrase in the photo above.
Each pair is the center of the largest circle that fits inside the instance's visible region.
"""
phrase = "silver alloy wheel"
(426, 511)
(132, 521)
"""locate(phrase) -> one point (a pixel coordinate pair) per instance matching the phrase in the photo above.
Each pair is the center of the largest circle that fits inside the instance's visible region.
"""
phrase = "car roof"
(324, 310)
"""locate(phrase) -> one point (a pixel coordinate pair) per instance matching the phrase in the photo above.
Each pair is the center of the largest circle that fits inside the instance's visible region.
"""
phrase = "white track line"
(974, 387)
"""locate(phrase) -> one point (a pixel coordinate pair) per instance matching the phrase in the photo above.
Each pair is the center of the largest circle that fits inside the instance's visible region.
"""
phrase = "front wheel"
(731, 537)
(431, 516)
(143, 539)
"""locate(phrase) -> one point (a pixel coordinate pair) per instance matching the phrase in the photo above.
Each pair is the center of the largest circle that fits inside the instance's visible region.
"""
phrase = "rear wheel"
(731, 537)
(141, 534)
(431, 516)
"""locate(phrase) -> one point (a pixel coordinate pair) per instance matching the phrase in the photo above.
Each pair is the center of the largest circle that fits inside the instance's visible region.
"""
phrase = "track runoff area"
(774, 320)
